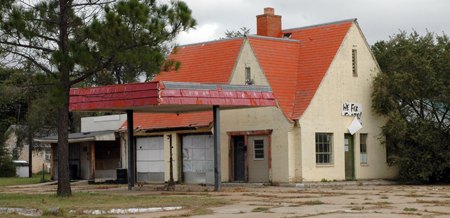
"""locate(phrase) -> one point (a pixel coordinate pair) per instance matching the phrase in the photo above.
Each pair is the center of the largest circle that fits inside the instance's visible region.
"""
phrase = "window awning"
(108, 135)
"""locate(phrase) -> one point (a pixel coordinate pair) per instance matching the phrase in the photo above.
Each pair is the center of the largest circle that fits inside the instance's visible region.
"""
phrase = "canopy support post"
(130, 149)
(217, 163)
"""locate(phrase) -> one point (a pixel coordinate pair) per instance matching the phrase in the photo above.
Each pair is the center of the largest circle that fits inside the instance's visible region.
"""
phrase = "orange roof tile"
(164, 121)
(294, 68)
(318, 47)
(210, 62)
(279, 61)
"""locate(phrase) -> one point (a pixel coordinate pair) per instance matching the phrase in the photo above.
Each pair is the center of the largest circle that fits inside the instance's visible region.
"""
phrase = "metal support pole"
(171, 182)
(130, 149)
(217, 163)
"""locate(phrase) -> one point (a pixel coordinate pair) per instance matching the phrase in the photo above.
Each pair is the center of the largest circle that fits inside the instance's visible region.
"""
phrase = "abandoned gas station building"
(321, 128)
(321, 77)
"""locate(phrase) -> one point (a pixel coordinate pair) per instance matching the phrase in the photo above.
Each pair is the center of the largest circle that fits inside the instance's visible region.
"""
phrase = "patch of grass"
(316, 202)
(412, 195)
(324, 180)
(202, 211)
(36, 178)
(436, 202)
(383, 203)
(261, 209)
(384, 197)
(358, 208)
(410, 209)
(90, 201)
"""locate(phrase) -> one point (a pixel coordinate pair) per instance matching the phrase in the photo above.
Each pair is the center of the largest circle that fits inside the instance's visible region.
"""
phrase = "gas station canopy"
(169, 97)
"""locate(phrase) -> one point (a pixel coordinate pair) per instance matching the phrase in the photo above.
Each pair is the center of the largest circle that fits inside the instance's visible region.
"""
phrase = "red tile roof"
(318, 47)
(164, 121)
(294, 68)
(210, 62)
(279, 61)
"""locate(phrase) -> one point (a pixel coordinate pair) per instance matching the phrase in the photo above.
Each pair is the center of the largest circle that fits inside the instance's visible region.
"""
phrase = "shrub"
(7, 168)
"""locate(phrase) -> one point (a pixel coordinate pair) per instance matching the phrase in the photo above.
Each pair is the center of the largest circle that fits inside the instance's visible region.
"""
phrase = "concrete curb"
(337, 184)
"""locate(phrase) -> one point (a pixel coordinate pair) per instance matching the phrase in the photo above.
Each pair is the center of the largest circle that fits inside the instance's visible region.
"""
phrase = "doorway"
(349, 157)
(258, 161)
(239, 150)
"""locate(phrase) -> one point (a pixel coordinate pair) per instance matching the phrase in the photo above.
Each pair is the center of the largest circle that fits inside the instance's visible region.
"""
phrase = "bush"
(7, 168)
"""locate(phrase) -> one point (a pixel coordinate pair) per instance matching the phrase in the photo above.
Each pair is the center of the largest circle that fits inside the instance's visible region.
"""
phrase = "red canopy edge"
(160, 93)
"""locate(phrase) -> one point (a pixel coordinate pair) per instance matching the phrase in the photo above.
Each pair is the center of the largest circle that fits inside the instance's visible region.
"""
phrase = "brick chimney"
(268, 24)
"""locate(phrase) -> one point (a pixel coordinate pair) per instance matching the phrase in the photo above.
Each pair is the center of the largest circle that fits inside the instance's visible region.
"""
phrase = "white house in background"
(40, 155)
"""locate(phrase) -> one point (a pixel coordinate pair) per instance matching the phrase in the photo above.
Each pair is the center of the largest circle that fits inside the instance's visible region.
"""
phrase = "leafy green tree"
(72, 41)
(234, 34)
(413, 93)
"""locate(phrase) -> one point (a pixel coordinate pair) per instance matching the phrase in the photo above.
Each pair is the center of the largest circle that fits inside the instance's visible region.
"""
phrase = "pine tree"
(69, 42)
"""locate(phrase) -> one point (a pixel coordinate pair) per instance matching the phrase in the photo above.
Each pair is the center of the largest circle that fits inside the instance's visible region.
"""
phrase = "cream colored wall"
(257, 119)
(324, 115)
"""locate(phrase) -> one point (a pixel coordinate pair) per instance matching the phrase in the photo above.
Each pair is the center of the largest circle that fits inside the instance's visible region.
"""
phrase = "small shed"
(22, 168)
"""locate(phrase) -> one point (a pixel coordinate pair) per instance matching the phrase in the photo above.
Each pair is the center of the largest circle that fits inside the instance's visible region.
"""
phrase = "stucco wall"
(101, 123)
(324, 115)
(257, 119)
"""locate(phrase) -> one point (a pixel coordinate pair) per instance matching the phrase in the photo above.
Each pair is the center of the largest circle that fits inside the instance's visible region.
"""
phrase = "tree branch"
(43, 68)
(28, 46)
(92, 3)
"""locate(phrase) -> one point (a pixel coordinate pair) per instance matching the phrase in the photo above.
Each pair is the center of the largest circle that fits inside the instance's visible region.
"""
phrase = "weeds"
(261, 209)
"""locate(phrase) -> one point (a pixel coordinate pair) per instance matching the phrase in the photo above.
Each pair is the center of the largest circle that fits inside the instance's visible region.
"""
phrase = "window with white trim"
(324, 148)
(258, 150)
(363, 148)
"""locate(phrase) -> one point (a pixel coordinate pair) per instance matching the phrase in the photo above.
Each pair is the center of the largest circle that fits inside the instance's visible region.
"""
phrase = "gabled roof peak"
(319, 25)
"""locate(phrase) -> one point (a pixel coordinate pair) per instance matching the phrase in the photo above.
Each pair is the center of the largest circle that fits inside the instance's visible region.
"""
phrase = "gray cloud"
(377, 19)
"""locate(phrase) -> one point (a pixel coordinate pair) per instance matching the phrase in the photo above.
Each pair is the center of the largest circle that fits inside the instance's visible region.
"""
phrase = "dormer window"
(248, 76)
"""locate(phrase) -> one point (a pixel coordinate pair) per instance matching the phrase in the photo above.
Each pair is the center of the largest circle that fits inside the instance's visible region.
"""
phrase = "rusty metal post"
(217, 163)
(130, 149)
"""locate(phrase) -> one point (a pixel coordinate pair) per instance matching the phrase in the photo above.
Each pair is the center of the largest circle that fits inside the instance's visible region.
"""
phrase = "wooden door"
(349, 157)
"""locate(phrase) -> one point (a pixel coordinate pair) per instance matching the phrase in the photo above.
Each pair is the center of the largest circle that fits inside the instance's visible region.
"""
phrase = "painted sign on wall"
(352, 109)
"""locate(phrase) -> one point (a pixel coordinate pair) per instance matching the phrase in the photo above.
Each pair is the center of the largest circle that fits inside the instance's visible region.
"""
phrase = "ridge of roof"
(321, 24)
(319, 45)
(273, 38)
(208, 42)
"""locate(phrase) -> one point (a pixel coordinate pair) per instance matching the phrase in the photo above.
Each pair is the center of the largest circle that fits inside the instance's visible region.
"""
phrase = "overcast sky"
(378, 19)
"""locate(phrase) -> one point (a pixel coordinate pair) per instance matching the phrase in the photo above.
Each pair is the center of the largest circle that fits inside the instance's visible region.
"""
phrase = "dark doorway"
(239, 158)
